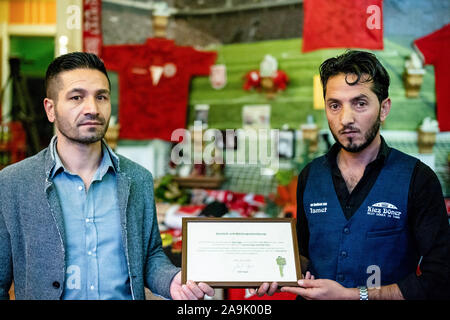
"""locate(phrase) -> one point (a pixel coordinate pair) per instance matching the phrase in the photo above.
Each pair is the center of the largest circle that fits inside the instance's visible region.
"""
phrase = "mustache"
(92, 117)
(348, 128)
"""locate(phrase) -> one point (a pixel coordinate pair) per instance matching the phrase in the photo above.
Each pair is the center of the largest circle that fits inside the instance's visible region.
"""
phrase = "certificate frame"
(186, 254)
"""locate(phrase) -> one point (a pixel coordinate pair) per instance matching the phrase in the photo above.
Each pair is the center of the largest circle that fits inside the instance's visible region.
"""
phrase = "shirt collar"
(109, 160)
(381, 156)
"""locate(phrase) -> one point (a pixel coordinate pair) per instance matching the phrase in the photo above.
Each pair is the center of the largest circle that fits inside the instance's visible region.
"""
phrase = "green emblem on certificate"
(281, 262)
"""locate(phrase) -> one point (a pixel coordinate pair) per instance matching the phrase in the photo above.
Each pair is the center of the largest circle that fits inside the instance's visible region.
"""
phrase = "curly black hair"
(364, 65)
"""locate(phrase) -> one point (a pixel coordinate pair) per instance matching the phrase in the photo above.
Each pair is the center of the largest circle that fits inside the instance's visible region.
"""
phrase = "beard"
(369, 136)
(75, 134)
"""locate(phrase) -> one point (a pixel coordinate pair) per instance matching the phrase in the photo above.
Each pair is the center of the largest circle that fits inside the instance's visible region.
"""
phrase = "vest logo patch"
(318, 207)
(384, 209)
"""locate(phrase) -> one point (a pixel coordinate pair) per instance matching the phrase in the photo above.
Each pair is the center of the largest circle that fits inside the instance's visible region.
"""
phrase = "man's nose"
(347, 115)
(90, 106)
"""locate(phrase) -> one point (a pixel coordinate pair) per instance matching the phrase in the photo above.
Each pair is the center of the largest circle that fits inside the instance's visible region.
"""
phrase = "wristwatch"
(363, 293)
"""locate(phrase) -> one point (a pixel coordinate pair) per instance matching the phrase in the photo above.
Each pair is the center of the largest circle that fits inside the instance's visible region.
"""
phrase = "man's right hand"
(270, 289)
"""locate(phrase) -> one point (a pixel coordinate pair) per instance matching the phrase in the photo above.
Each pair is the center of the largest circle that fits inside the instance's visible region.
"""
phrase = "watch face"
(363, 293)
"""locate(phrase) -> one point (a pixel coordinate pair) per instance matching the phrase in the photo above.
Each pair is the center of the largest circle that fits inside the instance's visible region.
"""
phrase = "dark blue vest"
(376, 235)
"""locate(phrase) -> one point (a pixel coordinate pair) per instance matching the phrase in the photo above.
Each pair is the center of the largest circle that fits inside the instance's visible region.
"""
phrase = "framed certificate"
(240, 252)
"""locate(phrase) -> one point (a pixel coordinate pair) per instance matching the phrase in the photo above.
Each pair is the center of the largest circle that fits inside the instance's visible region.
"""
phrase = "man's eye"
(362, 104)
(101, 97)
(334, 106)
(75, 98)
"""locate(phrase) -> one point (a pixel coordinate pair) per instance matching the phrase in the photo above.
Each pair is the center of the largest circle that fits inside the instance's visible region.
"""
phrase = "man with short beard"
(382, 221)
(78, 221)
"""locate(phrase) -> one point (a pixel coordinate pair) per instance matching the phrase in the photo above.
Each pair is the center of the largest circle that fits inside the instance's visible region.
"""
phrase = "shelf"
(199, 182)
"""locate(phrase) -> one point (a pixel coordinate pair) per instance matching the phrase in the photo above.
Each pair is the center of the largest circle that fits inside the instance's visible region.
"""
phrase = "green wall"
(36, 53)
(294, 104)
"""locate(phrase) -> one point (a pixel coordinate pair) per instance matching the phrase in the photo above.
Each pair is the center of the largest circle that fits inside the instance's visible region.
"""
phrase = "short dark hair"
(359, 63)
(72, 61)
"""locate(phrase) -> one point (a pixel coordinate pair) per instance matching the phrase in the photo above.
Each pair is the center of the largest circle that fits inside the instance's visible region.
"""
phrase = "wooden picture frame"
(230, 246)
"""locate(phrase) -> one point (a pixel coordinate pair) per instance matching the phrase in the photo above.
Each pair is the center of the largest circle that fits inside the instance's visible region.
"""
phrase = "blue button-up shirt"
(96, 265)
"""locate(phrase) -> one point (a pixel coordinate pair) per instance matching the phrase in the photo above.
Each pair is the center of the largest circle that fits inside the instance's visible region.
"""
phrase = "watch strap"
(363, 293)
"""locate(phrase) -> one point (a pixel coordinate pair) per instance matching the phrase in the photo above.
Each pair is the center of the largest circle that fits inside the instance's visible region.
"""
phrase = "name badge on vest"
(318, 207)
(384, 209)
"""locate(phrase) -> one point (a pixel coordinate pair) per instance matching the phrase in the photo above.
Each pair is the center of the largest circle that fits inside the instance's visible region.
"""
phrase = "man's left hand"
(190, 290)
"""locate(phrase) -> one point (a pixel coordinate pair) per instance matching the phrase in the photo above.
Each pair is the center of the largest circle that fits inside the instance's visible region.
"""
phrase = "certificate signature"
(243, 266)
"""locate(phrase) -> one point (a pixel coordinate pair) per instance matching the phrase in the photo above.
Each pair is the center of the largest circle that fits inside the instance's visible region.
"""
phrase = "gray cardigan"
(32, 234)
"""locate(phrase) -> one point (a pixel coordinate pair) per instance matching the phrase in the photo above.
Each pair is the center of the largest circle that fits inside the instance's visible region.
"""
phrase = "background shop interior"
(252, 39)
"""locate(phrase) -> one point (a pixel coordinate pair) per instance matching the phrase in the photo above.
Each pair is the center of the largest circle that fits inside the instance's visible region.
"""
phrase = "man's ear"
(385, 108)
(49, 106)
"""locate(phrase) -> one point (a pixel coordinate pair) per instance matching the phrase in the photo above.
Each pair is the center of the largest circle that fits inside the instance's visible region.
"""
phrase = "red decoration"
(435, 48)
(253, 80)
(244, 294)
(245, 204)
(280, 80)
(154, 83)
(92, 26)
(342, 24)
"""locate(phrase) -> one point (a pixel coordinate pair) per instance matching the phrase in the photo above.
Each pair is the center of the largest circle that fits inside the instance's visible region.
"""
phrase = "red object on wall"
(342, 24)
(92, 26)
(435, 49)
(280, 80)
(253, 80)
(154, 83)
(244, 294)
